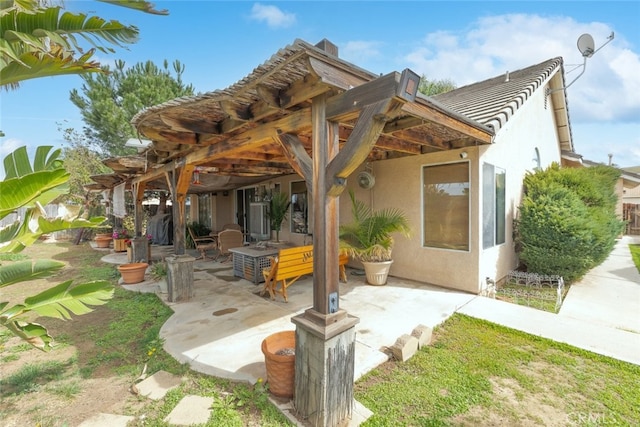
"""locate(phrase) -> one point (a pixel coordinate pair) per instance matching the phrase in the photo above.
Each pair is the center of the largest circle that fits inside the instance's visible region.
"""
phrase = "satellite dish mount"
(586, 47)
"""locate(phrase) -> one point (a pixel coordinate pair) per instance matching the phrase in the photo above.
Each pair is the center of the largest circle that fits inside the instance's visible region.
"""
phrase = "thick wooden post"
(138, 197)
(325, 335)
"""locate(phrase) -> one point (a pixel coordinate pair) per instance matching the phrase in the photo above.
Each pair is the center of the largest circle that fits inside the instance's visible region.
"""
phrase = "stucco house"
(454, 162)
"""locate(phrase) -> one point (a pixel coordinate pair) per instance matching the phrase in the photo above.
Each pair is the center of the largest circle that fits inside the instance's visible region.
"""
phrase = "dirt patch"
(514, 407)
(60, 393)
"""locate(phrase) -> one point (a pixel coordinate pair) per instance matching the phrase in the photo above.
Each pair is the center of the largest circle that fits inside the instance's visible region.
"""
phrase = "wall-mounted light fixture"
(463, 155)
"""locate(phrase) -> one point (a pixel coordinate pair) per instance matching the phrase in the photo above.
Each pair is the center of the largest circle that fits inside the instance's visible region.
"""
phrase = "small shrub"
(159, 270)
(567, 221)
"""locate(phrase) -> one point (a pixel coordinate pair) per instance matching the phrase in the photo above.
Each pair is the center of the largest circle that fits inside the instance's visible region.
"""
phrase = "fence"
(544, 292)
(631, 214)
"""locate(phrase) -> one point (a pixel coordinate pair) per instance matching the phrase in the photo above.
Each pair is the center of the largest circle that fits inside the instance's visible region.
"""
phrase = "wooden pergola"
(303, 111)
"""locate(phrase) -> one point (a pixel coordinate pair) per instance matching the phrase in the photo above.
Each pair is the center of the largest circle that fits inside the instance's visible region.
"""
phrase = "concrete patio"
(220, 331)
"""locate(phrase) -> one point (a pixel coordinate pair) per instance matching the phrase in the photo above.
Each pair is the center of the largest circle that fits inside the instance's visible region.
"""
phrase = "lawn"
(474, 373)
(479, 373)
(635, 255)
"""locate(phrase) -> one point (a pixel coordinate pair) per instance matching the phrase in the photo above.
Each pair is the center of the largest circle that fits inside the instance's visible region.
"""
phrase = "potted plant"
(278, 209)
(368, 239)
(120, 238)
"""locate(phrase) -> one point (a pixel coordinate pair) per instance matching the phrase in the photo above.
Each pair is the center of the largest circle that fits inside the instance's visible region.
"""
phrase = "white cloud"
(272, 15)
(607, 91)
(358, 51)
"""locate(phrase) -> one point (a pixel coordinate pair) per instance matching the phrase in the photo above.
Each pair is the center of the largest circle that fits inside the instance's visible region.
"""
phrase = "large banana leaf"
(141, 5)
(17, 164)
(62, 27)
(25, 236)
(33, 333)
(39, 187)
(34, 65)
(62, 299)
(23, 271)
(58, 302)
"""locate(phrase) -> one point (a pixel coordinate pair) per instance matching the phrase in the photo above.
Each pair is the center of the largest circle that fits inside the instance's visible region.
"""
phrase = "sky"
(221, 42)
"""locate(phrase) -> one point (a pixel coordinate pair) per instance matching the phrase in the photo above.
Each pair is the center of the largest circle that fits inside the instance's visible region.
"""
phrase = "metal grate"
(250, 267)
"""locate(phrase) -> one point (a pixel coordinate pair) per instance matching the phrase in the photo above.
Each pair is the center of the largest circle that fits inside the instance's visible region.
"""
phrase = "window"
(493, 205)
(446, 206)
(299, 208)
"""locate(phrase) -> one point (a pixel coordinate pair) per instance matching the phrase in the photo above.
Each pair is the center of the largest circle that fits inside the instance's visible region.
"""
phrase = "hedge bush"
(567, 222)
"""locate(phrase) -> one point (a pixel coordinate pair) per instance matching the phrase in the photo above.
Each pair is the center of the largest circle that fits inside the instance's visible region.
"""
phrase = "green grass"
(477, 372)
(543, 297)
(13, 257)
(32, 376)
(131, 341)
(635, 255)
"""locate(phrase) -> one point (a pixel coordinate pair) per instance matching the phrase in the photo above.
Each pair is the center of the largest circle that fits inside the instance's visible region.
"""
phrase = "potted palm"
(278, 209)
(368, 239)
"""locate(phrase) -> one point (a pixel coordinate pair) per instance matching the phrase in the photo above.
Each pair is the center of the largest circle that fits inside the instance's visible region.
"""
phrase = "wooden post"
(180, 277)
(140, 249)
(138, 197)
(325, 335)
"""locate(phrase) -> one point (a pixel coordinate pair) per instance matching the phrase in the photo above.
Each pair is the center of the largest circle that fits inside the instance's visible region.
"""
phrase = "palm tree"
(278, 209)
(368, 238)
(41, 41)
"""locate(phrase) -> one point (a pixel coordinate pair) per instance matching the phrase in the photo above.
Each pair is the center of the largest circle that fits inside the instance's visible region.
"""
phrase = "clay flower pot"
(133, 272)
(103, 242)
(279, 358)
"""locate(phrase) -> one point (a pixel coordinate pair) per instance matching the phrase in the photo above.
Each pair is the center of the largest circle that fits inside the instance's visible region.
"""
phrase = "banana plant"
(39, 40)
(32, 187)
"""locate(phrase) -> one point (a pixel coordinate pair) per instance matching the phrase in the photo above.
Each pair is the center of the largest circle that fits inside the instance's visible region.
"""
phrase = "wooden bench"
(289, 266)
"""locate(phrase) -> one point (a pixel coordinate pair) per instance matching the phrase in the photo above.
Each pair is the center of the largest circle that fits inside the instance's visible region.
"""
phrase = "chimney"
(328, 47)
(506, 77)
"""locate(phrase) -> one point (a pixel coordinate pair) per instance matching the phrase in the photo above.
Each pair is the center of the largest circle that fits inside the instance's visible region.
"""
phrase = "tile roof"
(492, 102)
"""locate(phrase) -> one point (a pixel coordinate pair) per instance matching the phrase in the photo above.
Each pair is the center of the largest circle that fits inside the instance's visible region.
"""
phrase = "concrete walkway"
(219, 332)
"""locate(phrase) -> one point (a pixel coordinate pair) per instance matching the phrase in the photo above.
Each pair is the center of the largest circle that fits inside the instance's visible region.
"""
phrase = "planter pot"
(377, 272)
(104, 235)
(133, 273)
(119, 245)
(102, 242)
(279, 358)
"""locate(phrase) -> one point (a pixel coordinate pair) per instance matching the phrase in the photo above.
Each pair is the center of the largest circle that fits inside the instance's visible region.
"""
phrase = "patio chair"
(229, 239)
(231, 226)
(203, 243)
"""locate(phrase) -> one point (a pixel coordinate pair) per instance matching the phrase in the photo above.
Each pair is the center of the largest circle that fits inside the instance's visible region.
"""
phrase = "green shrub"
(567, 223)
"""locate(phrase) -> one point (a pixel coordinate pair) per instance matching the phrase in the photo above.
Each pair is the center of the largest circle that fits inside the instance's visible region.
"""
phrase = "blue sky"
(221, 42)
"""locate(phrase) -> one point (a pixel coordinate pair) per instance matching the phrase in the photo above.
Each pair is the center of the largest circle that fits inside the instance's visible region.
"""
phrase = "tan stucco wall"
(514, 150)
(399, 184)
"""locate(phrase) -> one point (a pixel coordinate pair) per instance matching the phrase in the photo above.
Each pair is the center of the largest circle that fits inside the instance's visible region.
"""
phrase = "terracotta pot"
(104, 235)
(134, 272)
(102, 242)
(280, 367)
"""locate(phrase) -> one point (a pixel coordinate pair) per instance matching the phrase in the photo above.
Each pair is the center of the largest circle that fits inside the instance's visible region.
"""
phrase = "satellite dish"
(586, 45)
(366, 180)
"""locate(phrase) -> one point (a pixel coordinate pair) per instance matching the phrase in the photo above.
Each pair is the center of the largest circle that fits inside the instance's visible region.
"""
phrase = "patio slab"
(220, 331)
